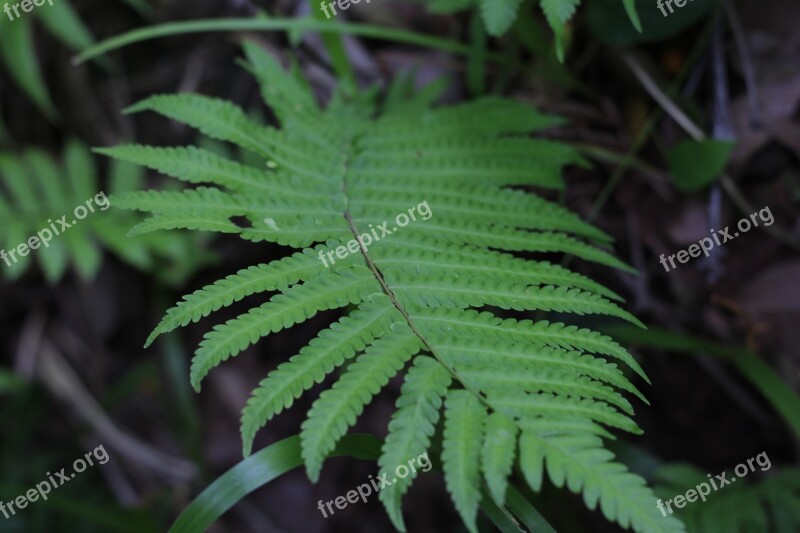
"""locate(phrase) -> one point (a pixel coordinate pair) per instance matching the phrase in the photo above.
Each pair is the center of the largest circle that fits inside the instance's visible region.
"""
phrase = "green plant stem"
(526, 512)
(500, 516)
(609, 156)
(279, 24)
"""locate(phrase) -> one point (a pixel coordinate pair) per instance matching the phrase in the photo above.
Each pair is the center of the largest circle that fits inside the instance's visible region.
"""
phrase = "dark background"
(702, 411)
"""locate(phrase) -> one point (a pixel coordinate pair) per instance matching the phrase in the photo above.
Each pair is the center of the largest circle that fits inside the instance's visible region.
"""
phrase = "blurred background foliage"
(691, 122)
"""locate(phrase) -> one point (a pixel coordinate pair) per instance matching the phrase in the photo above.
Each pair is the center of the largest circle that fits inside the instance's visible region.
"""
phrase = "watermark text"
(365, 489)
(706, 244)
(53, 481)
(703, 489)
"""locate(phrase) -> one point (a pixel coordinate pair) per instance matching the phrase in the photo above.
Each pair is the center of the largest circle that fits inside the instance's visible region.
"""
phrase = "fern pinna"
(538, 395)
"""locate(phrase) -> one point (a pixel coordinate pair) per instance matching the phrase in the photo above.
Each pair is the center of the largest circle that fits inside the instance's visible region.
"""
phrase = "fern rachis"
(509, 389)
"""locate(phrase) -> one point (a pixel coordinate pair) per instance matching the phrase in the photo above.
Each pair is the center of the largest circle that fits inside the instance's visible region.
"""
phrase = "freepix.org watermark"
(706, 244)
(44, 236)
(26, 5)
(53, 481)
(344, 5)
(717, 482)
(365, 489)
(366, 239)
(668, 3)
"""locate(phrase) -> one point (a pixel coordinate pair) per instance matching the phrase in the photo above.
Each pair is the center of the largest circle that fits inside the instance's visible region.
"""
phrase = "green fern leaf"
(475, 292)
(18, 50)
(526, 378)
(278, 275)
(292, 306)
(193, 221)
(19, 54)
(289, 95)
(461, 452)
(430, 259)
(218, 119)
(330, 184)
(555, 335)
(499, 14)
(557, 13)
(412, 427)
(196, 165)
(473, 355)
(630, 9)
(526, 405)
(38, 189)
(63, 22)
(498, 453)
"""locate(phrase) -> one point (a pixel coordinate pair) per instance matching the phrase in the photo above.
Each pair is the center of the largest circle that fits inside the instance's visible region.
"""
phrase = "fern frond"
(38, 189)
(461, 452)
(331, 175)
(412, 427)
(337, 408)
